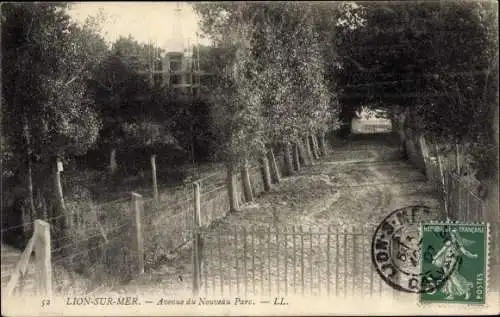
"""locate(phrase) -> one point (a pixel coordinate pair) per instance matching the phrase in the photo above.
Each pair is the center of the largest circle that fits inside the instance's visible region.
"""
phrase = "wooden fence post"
(197, 244)
(232, 189)
(442, 179)
(20, 269)
(423, 151)
(458, 185)
(247, 186)
(61, 208)
(274, 166)
(43, 258)
(137, 238)
(155, 184)
(267, 173)
(59, 189)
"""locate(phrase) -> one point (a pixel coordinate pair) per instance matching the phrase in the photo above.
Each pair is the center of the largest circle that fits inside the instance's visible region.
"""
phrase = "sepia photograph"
(248, 158)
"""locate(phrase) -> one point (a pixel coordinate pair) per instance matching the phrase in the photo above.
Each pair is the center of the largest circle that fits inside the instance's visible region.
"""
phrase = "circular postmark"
(396, 251)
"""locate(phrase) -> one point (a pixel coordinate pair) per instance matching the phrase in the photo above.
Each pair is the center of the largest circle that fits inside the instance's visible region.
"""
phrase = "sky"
(144, 21)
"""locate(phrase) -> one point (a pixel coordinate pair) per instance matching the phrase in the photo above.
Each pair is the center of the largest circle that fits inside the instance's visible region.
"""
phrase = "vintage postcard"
(249, 158)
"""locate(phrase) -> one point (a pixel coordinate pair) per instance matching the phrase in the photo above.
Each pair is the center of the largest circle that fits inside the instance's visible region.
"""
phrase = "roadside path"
(356, 185)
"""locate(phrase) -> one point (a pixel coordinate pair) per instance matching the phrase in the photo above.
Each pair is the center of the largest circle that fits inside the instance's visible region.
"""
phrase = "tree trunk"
(296, 156)
(402, 144)
(398, 126)
(457, 158)
(302, 153)
(310, 138)
(316, 142)
(274, 166)
(288, 158)
(267, 173)
(29, 176)
(42, 206)
(315, 145)
(247, 185)
(232, 190)
(322, 144)
(308, 150)
(113, 165)
(153, 173)
(30, 191)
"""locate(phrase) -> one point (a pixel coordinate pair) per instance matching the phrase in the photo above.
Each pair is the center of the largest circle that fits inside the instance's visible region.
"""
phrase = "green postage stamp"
(459, 253)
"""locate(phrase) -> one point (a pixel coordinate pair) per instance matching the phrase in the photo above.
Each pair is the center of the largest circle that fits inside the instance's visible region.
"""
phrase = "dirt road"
(354, 187)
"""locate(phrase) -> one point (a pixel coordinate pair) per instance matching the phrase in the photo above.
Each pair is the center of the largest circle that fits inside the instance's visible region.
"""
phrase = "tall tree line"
(272, 87)
(65, 92)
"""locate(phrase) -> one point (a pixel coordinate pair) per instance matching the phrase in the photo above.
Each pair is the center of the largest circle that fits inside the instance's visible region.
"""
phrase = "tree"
(47, 61)
(428, 64)
(128, 98)
(236, 105)
(117, 89)
(285, 93)
(293, 61)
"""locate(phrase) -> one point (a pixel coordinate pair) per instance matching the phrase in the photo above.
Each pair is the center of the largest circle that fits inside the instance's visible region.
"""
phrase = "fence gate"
(270, 261)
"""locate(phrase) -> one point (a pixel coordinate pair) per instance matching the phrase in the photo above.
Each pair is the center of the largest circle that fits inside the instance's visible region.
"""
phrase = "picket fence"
(461, 201)
(271, 261)
(460, 197)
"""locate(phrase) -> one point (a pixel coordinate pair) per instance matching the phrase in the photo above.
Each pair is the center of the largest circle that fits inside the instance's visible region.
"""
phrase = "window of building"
(157, 79)
(175, 79)
(175, 65)
(158, 65)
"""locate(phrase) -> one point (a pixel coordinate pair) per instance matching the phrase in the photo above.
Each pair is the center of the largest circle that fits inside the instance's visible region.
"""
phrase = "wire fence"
(90, 244)
(96, 244)
(170, 225)
(215, 205)
(167, 225)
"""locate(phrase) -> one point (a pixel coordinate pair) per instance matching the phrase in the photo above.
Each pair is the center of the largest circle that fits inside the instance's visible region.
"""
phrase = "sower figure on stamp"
(446, 258)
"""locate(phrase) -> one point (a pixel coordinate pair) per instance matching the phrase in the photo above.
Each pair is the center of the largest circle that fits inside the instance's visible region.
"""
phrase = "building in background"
(182, 70)
(178, 67)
